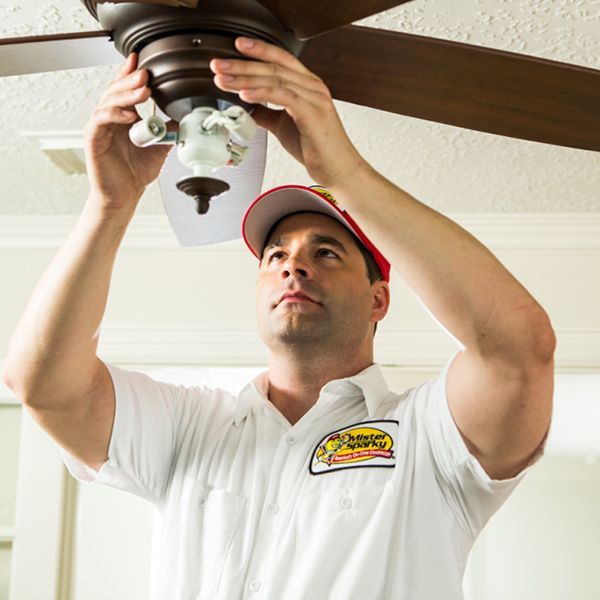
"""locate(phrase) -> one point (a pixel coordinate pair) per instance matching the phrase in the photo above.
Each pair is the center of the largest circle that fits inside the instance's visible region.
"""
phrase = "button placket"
(266, 535)
(282, 452)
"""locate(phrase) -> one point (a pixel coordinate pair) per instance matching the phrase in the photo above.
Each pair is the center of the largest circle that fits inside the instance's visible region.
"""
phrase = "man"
(316, 481)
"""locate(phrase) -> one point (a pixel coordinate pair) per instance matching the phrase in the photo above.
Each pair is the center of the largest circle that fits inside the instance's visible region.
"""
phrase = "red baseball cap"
(285, 200)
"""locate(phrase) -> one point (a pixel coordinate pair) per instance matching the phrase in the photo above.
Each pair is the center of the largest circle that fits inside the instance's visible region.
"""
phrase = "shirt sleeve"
(471, 493)
(145, 435)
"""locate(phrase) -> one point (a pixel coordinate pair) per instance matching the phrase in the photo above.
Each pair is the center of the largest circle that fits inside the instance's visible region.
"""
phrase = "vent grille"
(69, 160)
(63, 148)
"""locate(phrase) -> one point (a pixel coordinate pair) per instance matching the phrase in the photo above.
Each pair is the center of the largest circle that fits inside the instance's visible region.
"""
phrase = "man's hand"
(308, 127)
(118, 170)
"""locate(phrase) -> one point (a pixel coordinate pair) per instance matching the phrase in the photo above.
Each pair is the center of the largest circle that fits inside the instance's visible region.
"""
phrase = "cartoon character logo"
(328, 450)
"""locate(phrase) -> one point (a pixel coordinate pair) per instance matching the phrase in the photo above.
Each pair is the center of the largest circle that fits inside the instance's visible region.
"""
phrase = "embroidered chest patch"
(365, 444)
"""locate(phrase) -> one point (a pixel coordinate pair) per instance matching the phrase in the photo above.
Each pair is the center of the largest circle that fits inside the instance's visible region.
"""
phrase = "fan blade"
(458, 84)
(307, 18)
(58, 52)
(179, 3)
(223, 221)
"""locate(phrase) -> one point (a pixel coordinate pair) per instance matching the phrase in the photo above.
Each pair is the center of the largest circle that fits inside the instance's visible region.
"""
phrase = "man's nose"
(297, 266)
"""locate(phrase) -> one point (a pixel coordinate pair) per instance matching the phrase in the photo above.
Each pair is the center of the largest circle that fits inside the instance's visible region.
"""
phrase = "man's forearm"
(53, 349)
(460, 281)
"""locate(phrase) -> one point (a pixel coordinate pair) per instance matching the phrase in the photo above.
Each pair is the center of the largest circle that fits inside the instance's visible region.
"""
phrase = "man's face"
(313, 254)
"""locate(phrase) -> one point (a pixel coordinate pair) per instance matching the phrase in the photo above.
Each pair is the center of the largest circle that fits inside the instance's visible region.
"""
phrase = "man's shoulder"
(414, 398)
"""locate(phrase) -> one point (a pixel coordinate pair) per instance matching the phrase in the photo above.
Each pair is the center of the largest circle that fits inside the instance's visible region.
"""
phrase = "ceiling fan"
(463, 85)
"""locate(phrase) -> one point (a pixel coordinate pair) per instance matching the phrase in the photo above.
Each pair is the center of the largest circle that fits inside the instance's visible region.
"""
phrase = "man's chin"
(296, 331)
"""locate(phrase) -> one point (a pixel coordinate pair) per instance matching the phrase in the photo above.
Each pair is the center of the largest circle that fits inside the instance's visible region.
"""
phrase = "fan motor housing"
(176, 45)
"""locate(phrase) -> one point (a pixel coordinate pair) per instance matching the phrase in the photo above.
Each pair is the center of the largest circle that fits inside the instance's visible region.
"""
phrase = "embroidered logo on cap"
(365, 444)
(324, 192)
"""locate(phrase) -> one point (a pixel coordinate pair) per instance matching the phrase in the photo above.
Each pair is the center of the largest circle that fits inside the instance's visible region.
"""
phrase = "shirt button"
(273, 509)
(291, 440)
(202, 502)
(254, 585)
(345, 503)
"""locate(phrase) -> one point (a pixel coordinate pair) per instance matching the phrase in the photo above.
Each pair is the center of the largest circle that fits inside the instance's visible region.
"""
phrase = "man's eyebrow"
(331, 241)
(315, 238)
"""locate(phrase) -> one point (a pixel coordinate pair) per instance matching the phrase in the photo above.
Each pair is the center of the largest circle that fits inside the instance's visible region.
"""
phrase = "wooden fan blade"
(179, 3)
(458, 84)
(307, 18)
(59, 52)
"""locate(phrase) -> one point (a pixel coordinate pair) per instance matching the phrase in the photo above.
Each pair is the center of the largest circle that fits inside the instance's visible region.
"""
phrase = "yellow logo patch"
(368, 444)
(324, 192)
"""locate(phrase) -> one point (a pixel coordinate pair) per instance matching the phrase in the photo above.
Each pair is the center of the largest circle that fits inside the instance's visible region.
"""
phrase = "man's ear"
(381, 299)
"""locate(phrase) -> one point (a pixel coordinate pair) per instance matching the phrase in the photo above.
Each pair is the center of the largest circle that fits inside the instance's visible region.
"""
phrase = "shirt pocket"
(210, 519)
(342, 541)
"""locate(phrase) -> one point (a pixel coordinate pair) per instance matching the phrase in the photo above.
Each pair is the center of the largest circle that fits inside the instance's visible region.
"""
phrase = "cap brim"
(277, 203)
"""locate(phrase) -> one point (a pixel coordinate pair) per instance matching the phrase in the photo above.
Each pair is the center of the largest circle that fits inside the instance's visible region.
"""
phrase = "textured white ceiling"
(451, 169)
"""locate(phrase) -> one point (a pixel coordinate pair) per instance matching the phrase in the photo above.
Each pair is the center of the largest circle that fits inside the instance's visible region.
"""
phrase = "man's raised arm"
(52, 364)
(500, 387)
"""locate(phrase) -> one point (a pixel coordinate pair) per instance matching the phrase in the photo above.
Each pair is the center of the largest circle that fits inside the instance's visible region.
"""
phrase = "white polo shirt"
(371, 495)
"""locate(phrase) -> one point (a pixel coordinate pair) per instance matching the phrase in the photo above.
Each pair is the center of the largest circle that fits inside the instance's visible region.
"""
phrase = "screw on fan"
(203, 144)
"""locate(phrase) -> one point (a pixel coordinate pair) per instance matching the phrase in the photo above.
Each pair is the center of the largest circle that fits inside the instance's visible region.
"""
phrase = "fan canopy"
(176, 45)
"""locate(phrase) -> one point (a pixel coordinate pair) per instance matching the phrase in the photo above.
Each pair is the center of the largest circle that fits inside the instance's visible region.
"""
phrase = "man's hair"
(373, 270)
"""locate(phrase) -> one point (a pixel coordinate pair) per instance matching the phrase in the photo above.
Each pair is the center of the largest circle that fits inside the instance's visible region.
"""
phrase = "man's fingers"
(131, 82)
(289, 98)
(249, 68)
(126, 99)
(128, 66)
(240, 82)
(128, 78)
(110, 115)
(269, 53)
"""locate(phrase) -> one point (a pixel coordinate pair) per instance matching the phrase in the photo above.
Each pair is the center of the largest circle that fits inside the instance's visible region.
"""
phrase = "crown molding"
(519, 232)
(578, 350)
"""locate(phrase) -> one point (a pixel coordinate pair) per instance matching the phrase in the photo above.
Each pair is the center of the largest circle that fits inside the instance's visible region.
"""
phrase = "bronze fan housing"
(177, 44)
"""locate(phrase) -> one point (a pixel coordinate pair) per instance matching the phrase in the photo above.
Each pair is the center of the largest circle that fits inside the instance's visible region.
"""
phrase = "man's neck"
(295, 381)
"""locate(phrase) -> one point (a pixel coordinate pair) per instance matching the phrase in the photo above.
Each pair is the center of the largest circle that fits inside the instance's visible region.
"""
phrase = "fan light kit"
(203, 144)
(448, 82)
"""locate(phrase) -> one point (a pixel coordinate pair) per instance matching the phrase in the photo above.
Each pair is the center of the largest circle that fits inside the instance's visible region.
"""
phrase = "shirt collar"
(369, 382)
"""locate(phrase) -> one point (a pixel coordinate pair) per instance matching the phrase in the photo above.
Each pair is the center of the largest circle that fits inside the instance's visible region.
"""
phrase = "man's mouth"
(296, 297)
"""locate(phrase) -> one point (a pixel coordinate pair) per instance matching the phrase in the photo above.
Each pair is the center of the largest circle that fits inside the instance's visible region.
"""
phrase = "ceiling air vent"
(63, 148)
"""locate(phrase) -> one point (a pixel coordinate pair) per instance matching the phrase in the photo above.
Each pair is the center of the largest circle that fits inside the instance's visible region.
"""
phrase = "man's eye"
(326, 252)
(275, 255)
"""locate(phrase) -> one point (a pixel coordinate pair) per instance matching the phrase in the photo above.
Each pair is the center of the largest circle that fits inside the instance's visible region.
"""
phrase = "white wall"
(544, 543)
